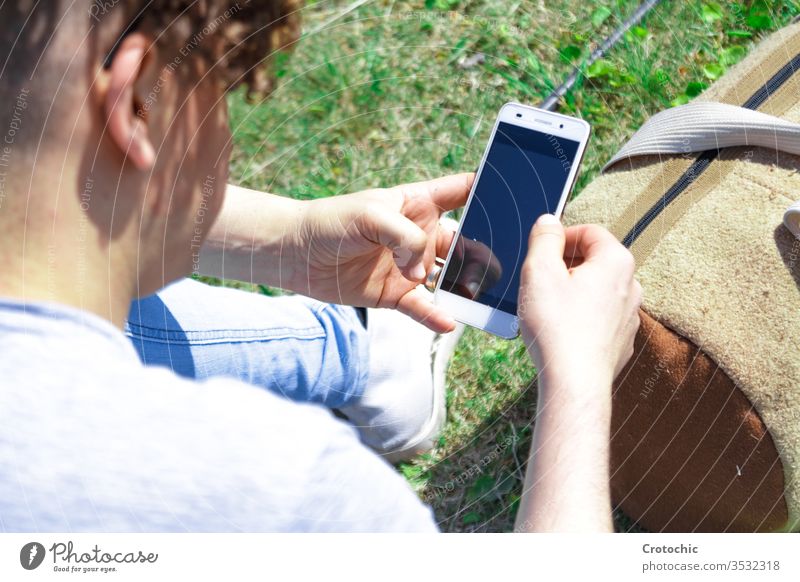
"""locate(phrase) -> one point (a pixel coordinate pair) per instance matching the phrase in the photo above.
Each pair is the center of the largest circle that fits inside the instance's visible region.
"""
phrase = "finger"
(447, 193)
(494, 270)
(481, 267)
(589, 241)
(546, 243)
(444, 240)
(417, 304)
(445, 233)
(406, 240)
(473, 277)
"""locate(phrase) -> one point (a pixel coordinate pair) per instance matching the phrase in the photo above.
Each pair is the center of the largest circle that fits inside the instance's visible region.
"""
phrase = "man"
(110, 187)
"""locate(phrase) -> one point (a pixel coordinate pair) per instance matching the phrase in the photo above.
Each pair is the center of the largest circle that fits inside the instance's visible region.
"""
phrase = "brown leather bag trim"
(688, 449)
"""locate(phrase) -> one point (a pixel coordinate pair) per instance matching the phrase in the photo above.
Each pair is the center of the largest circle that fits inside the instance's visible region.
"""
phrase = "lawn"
(396, 91)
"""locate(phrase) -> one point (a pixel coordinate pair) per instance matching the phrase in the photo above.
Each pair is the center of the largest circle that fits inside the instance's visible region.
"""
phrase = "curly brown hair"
(235, 36)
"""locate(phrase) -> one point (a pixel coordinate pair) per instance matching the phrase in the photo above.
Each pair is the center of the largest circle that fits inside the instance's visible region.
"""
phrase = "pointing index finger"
(589, 241)
(447, 193)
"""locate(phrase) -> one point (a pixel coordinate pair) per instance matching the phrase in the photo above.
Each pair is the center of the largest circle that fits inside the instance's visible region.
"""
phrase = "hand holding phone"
(527, 170)
(579, 304)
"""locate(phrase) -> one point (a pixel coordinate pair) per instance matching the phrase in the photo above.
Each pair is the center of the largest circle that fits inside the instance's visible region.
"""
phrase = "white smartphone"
(528, 169)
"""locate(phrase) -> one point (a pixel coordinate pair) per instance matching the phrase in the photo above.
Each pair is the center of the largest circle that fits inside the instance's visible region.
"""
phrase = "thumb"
(547, 242)
(406, 240)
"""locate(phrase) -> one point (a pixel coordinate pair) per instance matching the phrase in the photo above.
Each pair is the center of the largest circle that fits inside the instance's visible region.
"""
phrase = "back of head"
(114, 122)
(40, 41)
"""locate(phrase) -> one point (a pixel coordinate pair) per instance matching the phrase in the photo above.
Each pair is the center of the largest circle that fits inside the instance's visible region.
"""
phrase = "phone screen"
(523, 177)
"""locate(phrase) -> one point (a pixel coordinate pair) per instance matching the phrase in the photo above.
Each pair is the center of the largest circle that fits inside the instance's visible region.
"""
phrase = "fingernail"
(418, 272)
(548, 219)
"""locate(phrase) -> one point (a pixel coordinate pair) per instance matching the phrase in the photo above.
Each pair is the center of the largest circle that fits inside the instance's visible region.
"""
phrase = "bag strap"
(706, 125)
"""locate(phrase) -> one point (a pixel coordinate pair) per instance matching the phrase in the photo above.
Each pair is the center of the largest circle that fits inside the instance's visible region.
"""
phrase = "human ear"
(126, 127)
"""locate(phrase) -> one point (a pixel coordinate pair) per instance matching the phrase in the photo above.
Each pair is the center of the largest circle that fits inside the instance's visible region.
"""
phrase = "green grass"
(398, 91)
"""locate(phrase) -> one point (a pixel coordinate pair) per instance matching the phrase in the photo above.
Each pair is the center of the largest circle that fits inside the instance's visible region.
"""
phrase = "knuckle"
(527, 270)
(625, 259)
(540, 230)
(418, 240)
(371, 209)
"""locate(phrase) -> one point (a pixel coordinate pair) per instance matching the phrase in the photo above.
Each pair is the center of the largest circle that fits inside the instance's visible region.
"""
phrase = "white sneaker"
(403, 409)
(442, 350)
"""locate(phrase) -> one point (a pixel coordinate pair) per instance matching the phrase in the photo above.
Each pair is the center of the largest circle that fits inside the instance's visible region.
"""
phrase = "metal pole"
(552, 101)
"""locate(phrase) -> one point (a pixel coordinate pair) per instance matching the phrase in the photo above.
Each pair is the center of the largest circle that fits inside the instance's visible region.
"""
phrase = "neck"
(52, 251)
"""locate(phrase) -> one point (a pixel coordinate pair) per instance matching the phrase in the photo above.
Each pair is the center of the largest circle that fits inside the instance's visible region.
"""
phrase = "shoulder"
(231, 456)
(298, 466)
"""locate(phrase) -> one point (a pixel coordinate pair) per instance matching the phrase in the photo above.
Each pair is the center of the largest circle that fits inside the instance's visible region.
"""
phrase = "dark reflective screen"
(523, 177)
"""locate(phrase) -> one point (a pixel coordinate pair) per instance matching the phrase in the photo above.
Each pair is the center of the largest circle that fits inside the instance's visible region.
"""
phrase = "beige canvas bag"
(706, 421)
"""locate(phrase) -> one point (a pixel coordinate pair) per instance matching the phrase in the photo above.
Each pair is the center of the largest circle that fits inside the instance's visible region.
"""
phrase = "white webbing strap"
(701, 126)
(791, 219)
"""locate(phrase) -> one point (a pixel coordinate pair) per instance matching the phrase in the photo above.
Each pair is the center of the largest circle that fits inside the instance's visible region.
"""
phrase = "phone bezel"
(496, 321)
